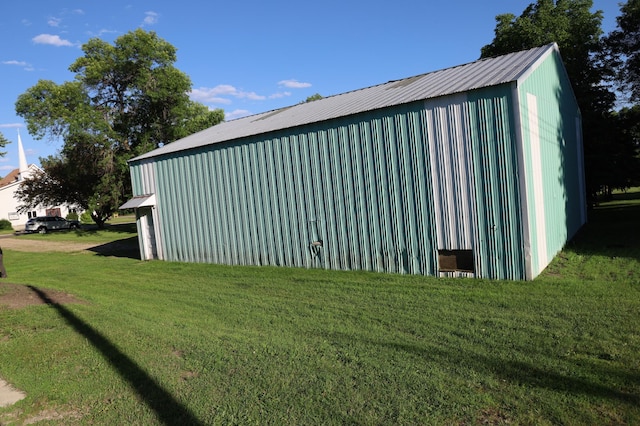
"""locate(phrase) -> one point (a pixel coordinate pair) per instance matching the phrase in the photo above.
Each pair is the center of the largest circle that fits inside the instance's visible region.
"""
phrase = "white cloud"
(150, 18)
(101, 32)
(293, 84)
(212, 95)
(54, 22)
(11, 126)
(23, 64)
(53, 40)
(224, 89)
(279, 95)
(78, 11)
(250, 95)
(18, 63)
(236, 113)
(221, 93)
(106, 31)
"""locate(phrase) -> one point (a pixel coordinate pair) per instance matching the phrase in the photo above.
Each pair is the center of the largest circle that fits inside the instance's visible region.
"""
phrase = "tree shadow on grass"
(127, 247)
(520, 372)
(612, 231)
(130, 228)
(513, 371)
(167, 409)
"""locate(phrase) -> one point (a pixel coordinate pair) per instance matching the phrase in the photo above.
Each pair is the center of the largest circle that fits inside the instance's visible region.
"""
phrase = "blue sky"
(248, 57)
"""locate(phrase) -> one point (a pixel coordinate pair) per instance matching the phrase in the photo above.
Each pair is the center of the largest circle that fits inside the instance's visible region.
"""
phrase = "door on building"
(149, 249)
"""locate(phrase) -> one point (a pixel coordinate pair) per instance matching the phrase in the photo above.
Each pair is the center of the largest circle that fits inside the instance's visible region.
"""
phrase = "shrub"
(5, 225)
(86, 217)
(72, 216)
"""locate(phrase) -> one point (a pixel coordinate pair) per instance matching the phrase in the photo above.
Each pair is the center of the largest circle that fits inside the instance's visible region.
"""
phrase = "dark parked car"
(44, 224)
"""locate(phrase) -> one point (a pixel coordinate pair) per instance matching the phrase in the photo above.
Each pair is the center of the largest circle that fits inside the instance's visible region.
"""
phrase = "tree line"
(604, 70)
(128, 98)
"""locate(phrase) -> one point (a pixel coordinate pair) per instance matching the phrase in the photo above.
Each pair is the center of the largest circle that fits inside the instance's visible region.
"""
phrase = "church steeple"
(22, 158)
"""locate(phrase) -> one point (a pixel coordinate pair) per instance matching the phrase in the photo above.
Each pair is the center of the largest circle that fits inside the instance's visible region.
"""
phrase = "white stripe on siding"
(451, 173)
(522, 173)
(538, 185)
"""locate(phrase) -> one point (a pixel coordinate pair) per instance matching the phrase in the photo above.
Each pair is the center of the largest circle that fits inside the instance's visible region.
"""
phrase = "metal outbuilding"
(475, 170)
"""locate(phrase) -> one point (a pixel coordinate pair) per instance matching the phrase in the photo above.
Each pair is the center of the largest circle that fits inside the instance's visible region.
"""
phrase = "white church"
(10, 184)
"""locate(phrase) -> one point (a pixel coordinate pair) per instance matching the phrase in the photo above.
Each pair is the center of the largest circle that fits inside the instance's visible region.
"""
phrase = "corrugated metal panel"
(452, 172)
(453, 178)
(382, 189)
(552, 148)
(143, 180)
(537, 186)
(149, 236)
(499, 247)
(359, 193)
(356, 195)
(478, 74)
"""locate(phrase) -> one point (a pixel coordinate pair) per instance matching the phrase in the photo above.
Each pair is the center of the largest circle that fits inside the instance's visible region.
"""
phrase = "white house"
(9, 203)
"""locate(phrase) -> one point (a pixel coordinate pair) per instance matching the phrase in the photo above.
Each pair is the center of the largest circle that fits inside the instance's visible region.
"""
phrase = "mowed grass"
(175, 343)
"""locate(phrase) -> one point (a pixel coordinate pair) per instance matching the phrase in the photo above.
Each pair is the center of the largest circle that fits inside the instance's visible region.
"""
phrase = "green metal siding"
(553, 160)
(384, 178)
(500, 244)
(361, 185)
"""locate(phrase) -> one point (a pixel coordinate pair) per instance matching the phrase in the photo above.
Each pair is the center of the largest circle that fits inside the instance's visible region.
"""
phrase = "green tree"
(578, 33)
(126, 99)
(629, 130)
(3, 142)
(624, 45)
(622, 151)
(313, 97)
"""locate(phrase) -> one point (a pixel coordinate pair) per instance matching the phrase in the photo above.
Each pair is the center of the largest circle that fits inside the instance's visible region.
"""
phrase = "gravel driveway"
(15, 242)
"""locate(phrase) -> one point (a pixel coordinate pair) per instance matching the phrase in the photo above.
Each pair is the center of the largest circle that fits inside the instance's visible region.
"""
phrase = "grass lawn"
(116, 229)
(175, 343)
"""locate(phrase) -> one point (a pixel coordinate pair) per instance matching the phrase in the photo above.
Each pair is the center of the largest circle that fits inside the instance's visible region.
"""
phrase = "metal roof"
(474, 75)
(139, 201)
